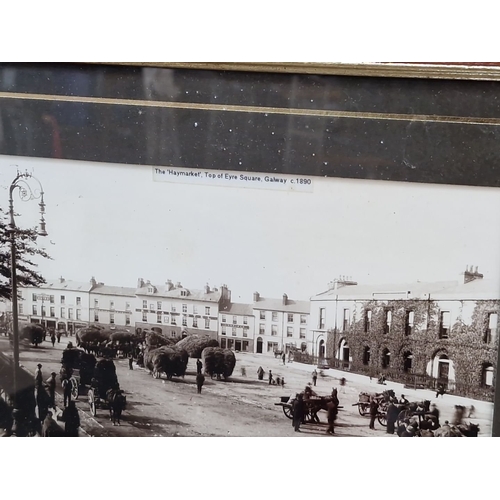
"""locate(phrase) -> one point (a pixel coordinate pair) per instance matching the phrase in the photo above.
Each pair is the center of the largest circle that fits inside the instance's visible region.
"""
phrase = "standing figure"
(199, 366)
(342, 385)
(71, 420)
(314, 377)
(260, 373)
(270, 377)
(53, 337)
(59, 334)
(332, 409)
(66, 384)
(200, 379)
(298, 408)
(403, 400)
(283, 357)
(38, 376)
(392, 417)
(51, 386)
(283, 382)
(373, 412)
(130, 362)
(440, 390)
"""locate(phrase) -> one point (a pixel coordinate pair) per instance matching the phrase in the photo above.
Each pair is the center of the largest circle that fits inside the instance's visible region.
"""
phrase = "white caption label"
(256, 180)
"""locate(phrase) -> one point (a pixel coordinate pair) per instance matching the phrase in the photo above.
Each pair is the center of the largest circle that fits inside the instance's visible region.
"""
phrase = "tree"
(26, 249)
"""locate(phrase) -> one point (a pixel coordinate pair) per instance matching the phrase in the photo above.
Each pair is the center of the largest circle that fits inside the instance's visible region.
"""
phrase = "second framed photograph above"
(290, 252)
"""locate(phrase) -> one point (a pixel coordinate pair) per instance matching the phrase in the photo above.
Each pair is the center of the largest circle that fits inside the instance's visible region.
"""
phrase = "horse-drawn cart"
(312, 406)
(383, 398)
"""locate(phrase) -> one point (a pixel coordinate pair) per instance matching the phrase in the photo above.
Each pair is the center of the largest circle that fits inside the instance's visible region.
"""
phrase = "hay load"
(218, 362)
(155, 340)
(168, 360)
(78, 359)
(194, 344)
(105, 374)
(122, 336)
(91, 334)
(33, 334)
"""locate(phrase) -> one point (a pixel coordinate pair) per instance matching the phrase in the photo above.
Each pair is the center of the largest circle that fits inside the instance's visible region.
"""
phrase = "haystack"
(218, 361)
(33, 334)
(154, 340)
(92, 334)
(105, 374)
(169, 360)
(122, 336)
(194, 344)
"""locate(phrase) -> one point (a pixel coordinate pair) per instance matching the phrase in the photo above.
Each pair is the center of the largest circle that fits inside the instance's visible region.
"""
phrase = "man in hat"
(314, 377)
(199, 366)
(67, 387)
(130, 362)
(373, 412)
(200, 379)
(270, 377)
(38, 376)
(51, 386)
(71, 420)
(298, 409)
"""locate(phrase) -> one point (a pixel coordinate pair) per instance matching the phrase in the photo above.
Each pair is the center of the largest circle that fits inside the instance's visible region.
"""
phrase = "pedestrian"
(283, 382)
(392, 417)
(66, 384)
(283, 357)
(130, 362)
(342, 385)
(314, 377)
(53, 337)
(200, 379)
(332, 409)
(297, 412)
(373, 412)
(71, 420)
(260, 373)
(270, 377)
(59, 333)
(199, 366)
(335, 397)
(403, 400)
(440, 390)
(38, 376)
(51, 386)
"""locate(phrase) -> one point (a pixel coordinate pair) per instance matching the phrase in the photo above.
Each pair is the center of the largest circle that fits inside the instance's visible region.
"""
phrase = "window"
(151, 307)
(245, 320)
(245, 345)
(127, 306)
(262, 329)
(207, 311)
(173, 308)
(322, 315)
(165, 319)
(289, 331)
(63, 312)
(52, 312)
(223, 343)
(184, 320)
(275, 316)
(35, 312)
(195, 322)
(144, 304)
(303, 319)
(368, 320)
(274, 330)
(233, 332)
(78, 314)
(34, 297)
(444, 325)
(20, 308)
(70, 313)
(96, 316)
(223, 318)
(491, 328)
(44, 310)
(223, 330)
(245, 333)
(63, 299)
(111, 304)
(487, 376)
(158, 317)
(20, 293)
(410, 318)
(302, 333)
(347, 318)
(172, 334)
(127, 319)
(144, 316)
(195, 309)
(235, 320)
(173, 320)
(78, 301)
(184, 308)
(111, 318)
(96, 303)
(51, 299)
(272, 346)
(207, 323)
(388, 321)
(290, 318)
(262, 314)
(150, 289)
(184, 293)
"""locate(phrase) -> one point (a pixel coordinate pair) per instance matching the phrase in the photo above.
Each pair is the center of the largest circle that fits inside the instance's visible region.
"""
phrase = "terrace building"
(236, 327)
(280, 324)
(417, 333)
(112, 306)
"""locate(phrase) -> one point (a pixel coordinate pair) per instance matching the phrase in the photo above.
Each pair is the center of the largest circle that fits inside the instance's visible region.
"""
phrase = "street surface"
(241, 406)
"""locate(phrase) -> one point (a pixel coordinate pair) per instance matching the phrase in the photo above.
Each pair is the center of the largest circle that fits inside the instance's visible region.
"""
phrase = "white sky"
(113, 222)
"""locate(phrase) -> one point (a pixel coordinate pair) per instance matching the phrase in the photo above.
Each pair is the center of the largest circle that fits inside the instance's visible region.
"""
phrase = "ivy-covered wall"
(465, 345)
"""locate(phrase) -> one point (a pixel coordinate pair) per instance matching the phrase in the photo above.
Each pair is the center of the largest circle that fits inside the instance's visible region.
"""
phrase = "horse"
(116, 401)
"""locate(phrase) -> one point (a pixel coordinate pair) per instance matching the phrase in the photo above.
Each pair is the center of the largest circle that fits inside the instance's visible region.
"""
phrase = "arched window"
(407, 361)
(366, 355)
(487, 375)
(386, 358)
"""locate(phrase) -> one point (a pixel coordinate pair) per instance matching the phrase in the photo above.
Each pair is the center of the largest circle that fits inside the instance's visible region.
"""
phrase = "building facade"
(177, 311)
(280, 324)
(418, 333)
(112, 306)
(236, 327)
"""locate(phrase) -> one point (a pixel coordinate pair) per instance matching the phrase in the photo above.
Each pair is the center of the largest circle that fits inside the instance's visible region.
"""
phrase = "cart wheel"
(74, 388)
(92, 403)
(403, 415)
(288, 412)
(362, 409)
(382, 419)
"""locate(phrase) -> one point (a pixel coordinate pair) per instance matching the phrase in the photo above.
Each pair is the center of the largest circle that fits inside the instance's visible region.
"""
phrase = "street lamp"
(26, 193)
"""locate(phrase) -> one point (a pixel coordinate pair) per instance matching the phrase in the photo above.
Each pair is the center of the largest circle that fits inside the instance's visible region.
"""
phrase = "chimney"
(341, 282)
(140, 283)
(178, 285)
(92, 281)
(61, 279)
(285, 299)
(169, 284)
(256, 296)
(471, 274)
(207, 288)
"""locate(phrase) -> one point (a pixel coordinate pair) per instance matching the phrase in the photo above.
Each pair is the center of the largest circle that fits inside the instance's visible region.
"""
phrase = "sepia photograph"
(221, 303)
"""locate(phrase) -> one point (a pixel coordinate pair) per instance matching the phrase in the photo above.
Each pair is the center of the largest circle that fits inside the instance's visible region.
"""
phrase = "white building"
(280, 324)
(237, 327)
(112, 306)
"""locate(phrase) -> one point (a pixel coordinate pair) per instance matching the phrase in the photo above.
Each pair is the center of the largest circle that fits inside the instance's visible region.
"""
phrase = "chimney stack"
(285, 299)
(140, 283)
(471, 274)
(169, 285)
(178, 285)
(61, 280)
(256, 296)
(207, 288)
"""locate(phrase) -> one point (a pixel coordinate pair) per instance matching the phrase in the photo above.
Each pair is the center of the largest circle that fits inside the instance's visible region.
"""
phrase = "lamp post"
(26, 193)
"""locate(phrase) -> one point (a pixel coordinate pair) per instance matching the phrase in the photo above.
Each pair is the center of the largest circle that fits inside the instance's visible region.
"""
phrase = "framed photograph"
(265, 250)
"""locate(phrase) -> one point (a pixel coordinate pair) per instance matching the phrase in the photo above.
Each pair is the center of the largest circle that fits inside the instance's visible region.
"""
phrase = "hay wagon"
(363, 405)
(312, 407)
(104, 379)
